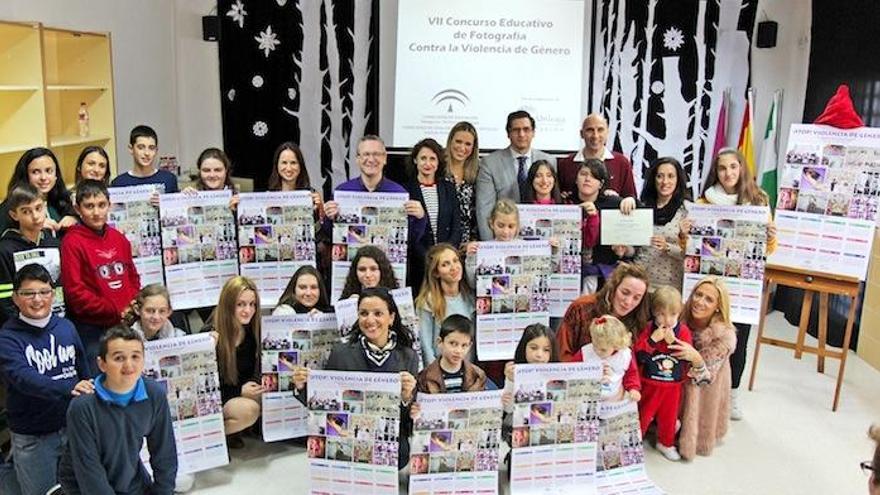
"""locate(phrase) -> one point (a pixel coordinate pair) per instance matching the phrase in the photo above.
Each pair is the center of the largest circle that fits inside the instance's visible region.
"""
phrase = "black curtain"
(260, 89)
(845, 40)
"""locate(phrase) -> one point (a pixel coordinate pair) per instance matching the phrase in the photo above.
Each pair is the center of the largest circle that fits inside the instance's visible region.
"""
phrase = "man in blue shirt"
(143, 144)
(107, 428)
(371, 159)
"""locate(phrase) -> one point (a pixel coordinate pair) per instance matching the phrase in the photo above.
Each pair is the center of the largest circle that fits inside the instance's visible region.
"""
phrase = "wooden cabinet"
(45, 75)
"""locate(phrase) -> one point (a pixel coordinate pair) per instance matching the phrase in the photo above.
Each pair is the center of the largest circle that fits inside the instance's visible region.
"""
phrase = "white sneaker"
(183, 483)
(668, 452)
(736, 413)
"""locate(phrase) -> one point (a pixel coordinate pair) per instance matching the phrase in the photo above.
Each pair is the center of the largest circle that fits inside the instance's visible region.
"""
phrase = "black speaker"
(767, 34)
(210, 28)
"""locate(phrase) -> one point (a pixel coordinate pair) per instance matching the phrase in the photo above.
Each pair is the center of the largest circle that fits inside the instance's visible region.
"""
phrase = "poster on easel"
(555, 428)
(132, 214)
(198, 246)
(513, 284)
(290, 341)
(829, 195)
(620, 460)
(276, 236)
(187, 368)
(354, 430)
(456, 444)
(729, 242)
(563, 224)
(377, 219)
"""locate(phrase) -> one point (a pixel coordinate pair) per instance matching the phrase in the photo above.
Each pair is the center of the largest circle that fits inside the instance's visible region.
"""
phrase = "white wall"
(783, 67)
(164, 75)
(198, 83)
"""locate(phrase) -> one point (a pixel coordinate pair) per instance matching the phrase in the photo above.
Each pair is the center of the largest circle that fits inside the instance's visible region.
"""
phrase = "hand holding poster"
(276, 235)
(512, 293)
(354, 429)
(132, 214)
(562, 225)
(829, 193)
(377, 219)
(555, 423)
(455, 443)
(198, 244)
(729, 242)
(187, 367)
(289, 341)
(621, 456)
(633, 229)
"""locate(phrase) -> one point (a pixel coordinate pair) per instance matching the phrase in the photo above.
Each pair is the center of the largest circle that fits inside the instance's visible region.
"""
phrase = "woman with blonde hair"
(444, 292)
(705, 408)
(462, 157)
(236, 329)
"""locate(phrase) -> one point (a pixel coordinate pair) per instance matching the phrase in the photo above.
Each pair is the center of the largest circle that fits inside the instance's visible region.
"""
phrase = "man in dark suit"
(502, 171)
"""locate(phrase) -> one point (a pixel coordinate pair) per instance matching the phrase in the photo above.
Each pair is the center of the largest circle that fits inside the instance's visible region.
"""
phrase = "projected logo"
(451, 100)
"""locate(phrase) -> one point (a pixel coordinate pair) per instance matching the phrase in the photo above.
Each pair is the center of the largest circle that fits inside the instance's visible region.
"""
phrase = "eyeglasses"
(32, 294)
(867, 467)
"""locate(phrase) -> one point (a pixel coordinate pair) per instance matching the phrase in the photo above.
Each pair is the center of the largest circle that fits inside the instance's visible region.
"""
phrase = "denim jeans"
(36, 460)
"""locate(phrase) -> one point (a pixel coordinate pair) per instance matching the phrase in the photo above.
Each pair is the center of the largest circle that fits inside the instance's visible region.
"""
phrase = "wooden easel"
(811, 282)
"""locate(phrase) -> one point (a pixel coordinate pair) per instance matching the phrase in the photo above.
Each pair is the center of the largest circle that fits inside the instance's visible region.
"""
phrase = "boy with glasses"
(43, 364)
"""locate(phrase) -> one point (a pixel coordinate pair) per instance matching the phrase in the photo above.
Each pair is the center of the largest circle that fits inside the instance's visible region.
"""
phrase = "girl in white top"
(610, 341)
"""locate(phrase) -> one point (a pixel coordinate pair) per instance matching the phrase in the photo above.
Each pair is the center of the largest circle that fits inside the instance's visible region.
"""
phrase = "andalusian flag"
(769, 152)
(746, 144)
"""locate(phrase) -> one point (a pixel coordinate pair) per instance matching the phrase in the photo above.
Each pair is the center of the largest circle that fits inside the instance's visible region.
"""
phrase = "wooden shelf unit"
(45, 74)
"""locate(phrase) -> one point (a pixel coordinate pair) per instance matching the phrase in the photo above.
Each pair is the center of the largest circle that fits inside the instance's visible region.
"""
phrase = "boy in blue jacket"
(107, 428)
(43, 364)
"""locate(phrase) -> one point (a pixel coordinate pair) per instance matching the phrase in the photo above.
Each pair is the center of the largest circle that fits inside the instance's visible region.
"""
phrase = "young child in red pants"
(662, 374)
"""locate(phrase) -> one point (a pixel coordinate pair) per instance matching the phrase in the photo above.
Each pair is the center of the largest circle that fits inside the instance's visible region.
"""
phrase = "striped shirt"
(432, 204)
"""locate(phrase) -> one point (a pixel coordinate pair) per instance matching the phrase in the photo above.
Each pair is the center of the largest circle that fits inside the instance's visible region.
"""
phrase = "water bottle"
(82, 118)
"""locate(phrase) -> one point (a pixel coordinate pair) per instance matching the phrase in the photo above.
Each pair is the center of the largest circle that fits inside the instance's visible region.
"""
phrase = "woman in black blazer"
(438, 197)
(378, 343)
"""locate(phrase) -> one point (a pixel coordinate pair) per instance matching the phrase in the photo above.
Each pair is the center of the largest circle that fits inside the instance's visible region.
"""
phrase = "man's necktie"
(521, 172)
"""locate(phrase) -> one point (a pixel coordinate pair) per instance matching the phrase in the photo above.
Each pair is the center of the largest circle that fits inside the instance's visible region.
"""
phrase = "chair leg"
(823, 331)
(806, 308)
(845, 350)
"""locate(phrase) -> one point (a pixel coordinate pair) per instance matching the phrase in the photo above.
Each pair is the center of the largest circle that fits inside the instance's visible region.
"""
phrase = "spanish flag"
(746, 145)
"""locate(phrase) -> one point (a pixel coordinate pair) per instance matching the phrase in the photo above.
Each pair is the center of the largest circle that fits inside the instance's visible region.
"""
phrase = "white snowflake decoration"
(257, 81)
(291, 93)
(673, 39)
(267, 41)
(230, 95)
(260, 128)
(237, 13)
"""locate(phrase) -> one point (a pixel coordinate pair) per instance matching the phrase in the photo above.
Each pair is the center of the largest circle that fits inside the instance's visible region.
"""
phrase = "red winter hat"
(840, 112)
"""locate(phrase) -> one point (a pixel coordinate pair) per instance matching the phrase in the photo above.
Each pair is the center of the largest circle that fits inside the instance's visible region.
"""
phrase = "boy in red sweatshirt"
(97, 272)
(662, 373)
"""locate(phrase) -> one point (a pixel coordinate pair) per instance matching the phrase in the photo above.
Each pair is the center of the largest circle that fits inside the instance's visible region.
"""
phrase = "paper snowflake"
(260, 128)
(267, 40)
(237, 13)
(257, 81)
(291, 93)
(673, 39)
(230, 95)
